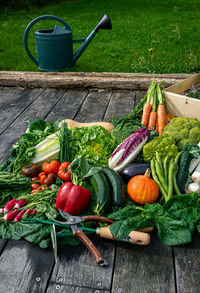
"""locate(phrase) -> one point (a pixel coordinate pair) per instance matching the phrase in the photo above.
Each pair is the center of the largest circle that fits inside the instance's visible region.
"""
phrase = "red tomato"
(41, 173)
(42, 178)
(43, 187)
(51, 167)
(33, 191)
(63, 172)
(34, 179)
(35, 185)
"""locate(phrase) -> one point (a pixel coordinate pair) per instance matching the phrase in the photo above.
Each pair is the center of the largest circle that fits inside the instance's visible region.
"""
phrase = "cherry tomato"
(34, 179)
(51, 167)
(35, 185)
(48, 181)
(51, 175)
(33, 191)
(43, 187)
(40, 174)
(42, 178)
(63, 172)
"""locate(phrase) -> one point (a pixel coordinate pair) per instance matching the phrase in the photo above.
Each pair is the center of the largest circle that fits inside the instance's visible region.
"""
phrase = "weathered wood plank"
(187, 265)
(72, 289)
(40, 108)
(140, 269)
(122, 102)
(7, 94)
(77, 267)
(103, 80)
(24, 267)
(94, 106)
(13, 108)
(2, 244)
(68, 105)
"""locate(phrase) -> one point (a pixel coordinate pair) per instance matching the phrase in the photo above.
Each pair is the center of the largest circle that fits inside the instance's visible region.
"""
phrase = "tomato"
(33, 191)
(48, 181)
(34, 179)
(41, 173)
(64, 172)
(43, 187)
(35, 185)
(51, 167)
(42, 178)
(51, 175)
(30, 170)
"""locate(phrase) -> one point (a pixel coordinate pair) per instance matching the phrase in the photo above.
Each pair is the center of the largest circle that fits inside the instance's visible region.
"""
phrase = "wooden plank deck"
(25, 267)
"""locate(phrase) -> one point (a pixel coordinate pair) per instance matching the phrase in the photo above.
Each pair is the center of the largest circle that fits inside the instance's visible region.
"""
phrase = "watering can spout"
(104, 23)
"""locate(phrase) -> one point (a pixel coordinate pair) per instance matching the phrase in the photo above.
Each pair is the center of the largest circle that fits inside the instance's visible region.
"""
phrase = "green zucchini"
(183, 170)
(117, 186)
(101, 190)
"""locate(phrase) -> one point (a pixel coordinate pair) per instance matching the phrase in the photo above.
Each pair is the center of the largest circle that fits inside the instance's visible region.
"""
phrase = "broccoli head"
(163, 144)
(185, 131)
(125, 129)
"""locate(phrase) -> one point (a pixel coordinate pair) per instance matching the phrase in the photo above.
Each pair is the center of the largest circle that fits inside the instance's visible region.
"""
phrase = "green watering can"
(55, 46)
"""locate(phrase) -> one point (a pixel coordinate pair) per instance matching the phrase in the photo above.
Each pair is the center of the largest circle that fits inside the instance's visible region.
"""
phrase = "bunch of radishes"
(194, 170)
(12, 210)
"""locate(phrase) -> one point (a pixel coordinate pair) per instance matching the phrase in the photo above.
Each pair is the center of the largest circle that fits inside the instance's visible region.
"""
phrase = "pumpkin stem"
(147, 173)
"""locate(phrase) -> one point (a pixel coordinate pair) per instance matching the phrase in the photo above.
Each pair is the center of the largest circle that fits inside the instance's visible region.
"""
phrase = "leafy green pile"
(94, 143)
(22, 152)
(175, 221)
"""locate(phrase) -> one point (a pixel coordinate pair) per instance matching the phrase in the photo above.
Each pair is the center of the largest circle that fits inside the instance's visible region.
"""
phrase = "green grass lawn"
(148, 36)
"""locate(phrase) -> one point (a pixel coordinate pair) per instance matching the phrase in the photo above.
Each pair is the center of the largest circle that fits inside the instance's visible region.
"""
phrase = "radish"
(10, 216)
(34, 211)
(20, 203)
(1, 210)
(28, 212)
(10, 205)
(19, 216)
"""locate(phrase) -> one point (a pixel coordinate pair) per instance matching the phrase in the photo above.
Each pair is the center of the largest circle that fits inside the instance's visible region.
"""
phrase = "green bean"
(170, 179)
(155, 178)
(161, 176)
(159, 160)
(165, 165)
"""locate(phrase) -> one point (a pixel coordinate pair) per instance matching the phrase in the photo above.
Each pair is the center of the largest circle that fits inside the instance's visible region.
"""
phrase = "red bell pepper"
(72, 198)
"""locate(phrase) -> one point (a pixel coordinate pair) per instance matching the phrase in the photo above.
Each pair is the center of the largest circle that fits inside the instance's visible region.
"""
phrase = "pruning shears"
(136, 237)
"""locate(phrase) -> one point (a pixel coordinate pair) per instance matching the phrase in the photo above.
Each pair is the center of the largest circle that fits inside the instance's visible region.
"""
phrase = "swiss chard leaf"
(171, 231)
(185, 207)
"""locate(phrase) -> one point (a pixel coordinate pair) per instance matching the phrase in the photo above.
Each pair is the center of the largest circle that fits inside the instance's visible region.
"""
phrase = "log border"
(103, 80)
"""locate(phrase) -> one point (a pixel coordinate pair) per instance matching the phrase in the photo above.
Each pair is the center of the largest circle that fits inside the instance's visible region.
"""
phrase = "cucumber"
(117, 186)
(183, 171)
(101, 190)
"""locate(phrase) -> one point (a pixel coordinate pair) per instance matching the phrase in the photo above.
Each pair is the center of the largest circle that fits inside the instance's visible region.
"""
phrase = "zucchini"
(183, 170)
(101, 190)
(117, 186)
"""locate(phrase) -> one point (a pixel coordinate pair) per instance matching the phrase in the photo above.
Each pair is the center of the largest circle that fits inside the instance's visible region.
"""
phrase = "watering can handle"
(29, 26)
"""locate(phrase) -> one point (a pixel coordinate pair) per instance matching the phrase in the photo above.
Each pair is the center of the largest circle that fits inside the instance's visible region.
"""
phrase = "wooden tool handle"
(146, 229)
(98, 219)
(88, 243)
(135, 237)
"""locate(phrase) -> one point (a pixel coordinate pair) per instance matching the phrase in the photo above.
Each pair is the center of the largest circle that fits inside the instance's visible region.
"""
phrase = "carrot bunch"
(154, 115)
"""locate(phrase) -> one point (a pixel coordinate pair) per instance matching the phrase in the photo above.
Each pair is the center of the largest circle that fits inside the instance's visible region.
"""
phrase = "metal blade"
(71, 220)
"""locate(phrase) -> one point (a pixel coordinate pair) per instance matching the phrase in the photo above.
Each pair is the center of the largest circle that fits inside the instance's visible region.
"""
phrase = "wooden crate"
(180, 105)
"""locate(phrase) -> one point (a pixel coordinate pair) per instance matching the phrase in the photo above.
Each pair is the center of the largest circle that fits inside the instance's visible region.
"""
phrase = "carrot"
(147, 107)
(161, 113)
(161, 118)
(157, 124)
(153, 114)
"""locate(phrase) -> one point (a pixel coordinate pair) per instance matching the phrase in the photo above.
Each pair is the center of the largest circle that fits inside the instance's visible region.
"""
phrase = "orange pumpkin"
(142, 189)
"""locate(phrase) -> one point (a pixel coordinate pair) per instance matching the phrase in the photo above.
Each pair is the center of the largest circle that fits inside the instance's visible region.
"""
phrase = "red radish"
(2, 211)
(34, 211)
(28, 212)
(19, 216)
(20, 203)
(10, 205)
(10, 216)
